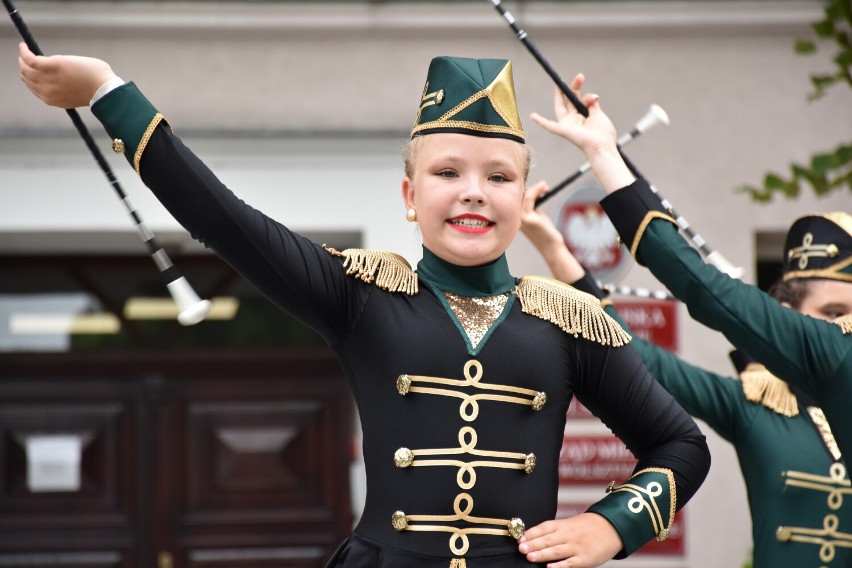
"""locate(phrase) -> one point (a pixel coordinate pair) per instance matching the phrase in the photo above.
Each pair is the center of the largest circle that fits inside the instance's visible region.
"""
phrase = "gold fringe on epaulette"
(845, 323)
(762, 387)
(390, 271)
(575, 312)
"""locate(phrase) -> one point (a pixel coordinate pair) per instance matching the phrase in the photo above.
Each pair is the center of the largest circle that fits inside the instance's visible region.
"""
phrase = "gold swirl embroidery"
(829, 538)
(463, 507)
(466, 476)
(645, 499)
(836, 485)
(809, 249)
(469, 408)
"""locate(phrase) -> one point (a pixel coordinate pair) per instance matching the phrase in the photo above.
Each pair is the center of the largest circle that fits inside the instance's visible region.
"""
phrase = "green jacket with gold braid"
(798, 487)
(462, 376)
(812, 355)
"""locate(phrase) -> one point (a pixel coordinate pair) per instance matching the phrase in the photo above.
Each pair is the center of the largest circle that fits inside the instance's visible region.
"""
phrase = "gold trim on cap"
(833, 272)
(501, 92)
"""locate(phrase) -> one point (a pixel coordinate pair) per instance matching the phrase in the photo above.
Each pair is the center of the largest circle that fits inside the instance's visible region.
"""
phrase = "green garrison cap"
(819, 246)
(470, 96)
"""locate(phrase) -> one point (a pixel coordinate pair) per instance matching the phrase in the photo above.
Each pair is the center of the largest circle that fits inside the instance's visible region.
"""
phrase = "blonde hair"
(412, 149)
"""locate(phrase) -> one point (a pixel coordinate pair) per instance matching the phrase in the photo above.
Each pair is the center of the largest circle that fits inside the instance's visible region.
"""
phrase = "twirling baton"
(655, 115)
(638, 292)
(192, 308)
(711, 256)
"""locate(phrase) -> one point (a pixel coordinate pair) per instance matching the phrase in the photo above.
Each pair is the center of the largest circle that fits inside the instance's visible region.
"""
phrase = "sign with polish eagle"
(591, 236)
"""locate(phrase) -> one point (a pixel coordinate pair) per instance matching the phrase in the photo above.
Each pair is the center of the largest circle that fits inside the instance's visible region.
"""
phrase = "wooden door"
(207, 460)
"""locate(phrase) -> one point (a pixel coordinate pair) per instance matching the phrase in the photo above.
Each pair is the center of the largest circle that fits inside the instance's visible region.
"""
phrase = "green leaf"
(823, 29)
(804, 47)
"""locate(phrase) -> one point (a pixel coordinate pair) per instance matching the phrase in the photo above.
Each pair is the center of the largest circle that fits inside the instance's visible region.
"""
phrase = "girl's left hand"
(583, 541)
(587, 133)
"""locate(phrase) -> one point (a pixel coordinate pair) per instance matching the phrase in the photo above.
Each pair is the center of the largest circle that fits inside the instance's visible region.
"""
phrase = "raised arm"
(799, 348)
(294, 273)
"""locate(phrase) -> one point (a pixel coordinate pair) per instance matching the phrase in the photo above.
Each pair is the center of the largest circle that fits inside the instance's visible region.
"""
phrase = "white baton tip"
(655, 115)
(722, 263)
(192, 308)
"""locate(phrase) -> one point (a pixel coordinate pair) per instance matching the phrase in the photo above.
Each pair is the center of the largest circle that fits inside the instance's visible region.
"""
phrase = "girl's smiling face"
(467, 192)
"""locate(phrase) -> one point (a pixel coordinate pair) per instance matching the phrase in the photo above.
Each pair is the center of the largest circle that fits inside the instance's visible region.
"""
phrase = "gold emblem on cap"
(399, 521)
(439, 97)
(118, 146)
(809, 249)
(517, 527)
(403, 457)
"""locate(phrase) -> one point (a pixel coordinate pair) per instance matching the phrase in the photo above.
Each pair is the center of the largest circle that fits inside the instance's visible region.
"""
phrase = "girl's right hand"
(65, 81)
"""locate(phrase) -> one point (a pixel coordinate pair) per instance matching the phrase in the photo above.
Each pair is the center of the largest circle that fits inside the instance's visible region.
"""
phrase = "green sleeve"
(648, 496)
(717, 400)
(129, 119)
(801, 349)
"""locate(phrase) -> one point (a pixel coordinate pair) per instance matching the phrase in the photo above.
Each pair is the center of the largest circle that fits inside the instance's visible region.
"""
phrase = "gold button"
(403, 457)
(517, 528)
(618, 241)
(783, 534)
(611, 487)
(529, 463)
(403, 384)
(399, 521)
(832, 250)
(439, 98)
(118, 146)
(538, 401)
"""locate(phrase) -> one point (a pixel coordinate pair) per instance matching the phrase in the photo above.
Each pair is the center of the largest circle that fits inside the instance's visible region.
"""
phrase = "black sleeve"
(294, 273)
(618, 388)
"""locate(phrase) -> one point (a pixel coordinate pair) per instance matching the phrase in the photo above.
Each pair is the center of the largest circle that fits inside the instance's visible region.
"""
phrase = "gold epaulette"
(390, 271)
(762, 387)
(845, 323)
(575, 312)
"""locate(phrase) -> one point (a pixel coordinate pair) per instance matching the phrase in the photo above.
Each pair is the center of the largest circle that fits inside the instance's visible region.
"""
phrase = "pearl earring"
(411, 215)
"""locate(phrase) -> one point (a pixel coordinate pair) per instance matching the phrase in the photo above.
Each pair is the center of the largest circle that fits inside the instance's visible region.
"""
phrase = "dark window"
(54, 304)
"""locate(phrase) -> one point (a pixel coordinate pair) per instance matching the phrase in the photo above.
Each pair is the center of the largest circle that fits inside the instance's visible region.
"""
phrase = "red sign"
(652, 320)
(674, 545)
(594, 460)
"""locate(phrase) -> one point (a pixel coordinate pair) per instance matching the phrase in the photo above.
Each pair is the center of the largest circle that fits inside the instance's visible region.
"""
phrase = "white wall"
(724, 71)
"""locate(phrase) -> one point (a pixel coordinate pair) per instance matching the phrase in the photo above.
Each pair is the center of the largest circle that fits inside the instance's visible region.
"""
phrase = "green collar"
(471, 281)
